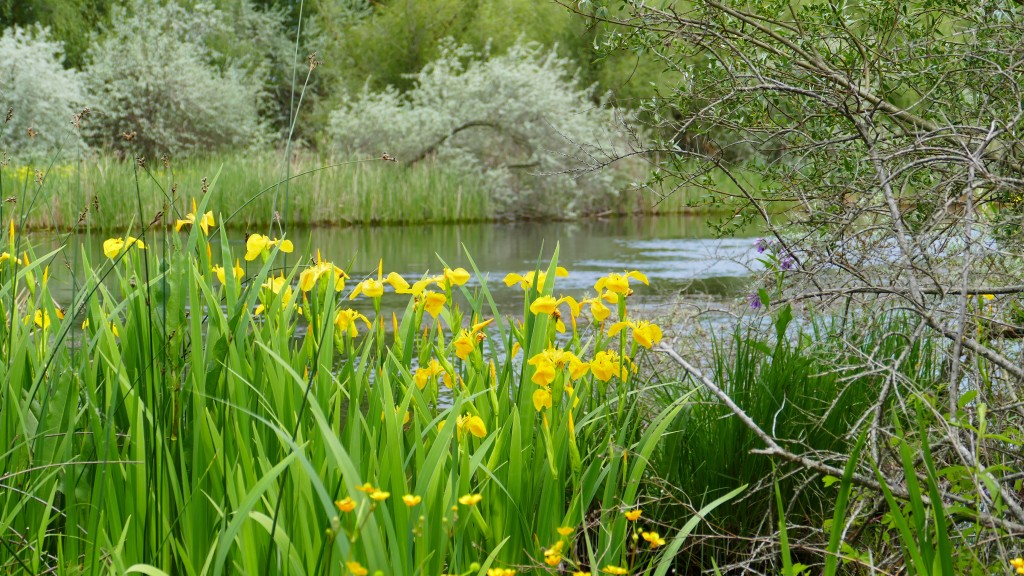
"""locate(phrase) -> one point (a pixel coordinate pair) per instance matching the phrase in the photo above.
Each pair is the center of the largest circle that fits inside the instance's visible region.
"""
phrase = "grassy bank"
(319, 192)
(140, 436)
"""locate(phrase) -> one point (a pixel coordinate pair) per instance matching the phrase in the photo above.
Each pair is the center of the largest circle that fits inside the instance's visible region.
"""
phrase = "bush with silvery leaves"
(41, 95)
(520, 119)
(153, 74)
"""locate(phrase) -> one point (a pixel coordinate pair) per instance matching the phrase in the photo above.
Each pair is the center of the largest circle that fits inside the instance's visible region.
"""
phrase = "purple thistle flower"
(755, 301)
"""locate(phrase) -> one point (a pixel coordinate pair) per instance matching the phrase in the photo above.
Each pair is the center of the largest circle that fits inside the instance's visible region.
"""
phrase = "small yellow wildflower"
(367, 488)
(456, 277)
(1018, 565)
(615, 570)
(113, 247)
(645, 333)
(258, 244)
(219, 272)
(356, 568)
(205, 221)
(346, 504)
(424, 374)
(470, 499)
(580, 573)
(374, 288)
(345, 320)
(379, 495)
(619, 283)
(501, 572)
(411, 500)
(474, 424)
(526, 281)
(634, 515)
(566, 530)
(653, 538)
(541, 399)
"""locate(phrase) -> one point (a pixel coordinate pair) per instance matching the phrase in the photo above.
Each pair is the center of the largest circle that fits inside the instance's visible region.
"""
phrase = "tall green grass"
(95, 191)
(808, 390)
(319, 192)
(157, 424)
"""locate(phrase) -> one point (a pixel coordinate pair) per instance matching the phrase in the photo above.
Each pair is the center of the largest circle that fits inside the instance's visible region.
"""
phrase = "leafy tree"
(160, 85)
(38, 97)
(519, 119)
(890, 140)
(70, 21)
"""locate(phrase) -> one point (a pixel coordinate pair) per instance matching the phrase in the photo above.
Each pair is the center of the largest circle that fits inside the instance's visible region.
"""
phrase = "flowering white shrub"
(520, 119)
(41, 95)
(153, 74)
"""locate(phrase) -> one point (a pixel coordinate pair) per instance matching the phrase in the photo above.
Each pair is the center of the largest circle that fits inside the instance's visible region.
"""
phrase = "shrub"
(519, 119)
(153, 75)
(41, 94)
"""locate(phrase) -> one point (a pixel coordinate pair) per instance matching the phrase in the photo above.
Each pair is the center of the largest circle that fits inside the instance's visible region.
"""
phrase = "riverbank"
(105, 193)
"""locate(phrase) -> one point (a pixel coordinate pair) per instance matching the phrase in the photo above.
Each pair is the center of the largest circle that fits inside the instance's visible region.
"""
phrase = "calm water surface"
(679, 253)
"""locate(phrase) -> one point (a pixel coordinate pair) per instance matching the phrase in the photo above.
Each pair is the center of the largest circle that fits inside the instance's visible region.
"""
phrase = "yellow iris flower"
(456, 277)
(645, 333)
(598, 309)
(526, 281)
(346, 320)
(423, 374)
(606, 364)
(113, 247)
(619, 283)
(258, 244)
(4, 257)
(308, 277)
(205, 221)
(374, 288)
(236, 271)
(467, 340)
(473, 424)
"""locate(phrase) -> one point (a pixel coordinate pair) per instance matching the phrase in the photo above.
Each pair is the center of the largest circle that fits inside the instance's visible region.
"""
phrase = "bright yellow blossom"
(565, 530)
(309, 276)
(526, 281)
(374, 288)
(433, 302)
(237, 271)
(345, 505)
(541, 398)
(42, 319)
(653, 538)
(474, 424)
(423, 374)
(470, 499)
(1018, 565)
(113, 247)
(456, 277)
(467, 340)
(634, 515)
(580, 573)
(614, 570)
(645, 333)
(367, 488)
(619, 283)
(205, 221)
(345, 320)
(606, 364)
(258, 244)
(411, 500)
(356, 568)
(598, 309)
(4, 257)
(380, 495)
(501, 572)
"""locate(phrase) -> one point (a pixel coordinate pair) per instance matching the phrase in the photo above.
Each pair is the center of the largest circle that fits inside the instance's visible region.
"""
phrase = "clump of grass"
(180, 416)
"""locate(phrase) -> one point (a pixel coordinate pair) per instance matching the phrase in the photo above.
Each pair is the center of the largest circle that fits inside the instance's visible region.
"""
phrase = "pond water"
(678, 253)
